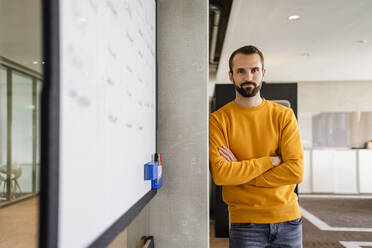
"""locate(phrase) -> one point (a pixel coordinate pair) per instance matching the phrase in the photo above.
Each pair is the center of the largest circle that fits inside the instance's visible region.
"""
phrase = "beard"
(248, 91)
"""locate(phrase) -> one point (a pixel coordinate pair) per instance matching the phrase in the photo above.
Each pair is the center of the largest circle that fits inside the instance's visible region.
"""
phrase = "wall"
(360, 128)
(178, 215)
(335, 96)
(21, 29)
(120, 241)
(137, 228)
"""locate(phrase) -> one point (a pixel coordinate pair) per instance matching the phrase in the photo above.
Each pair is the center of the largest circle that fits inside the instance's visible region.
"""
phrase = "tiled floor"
(348, 213)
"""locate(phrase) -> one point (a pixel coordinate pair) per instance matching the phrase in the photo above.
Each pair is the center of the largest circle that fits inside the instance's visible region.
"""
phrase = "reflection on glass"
(38, 99)
(331, 130)
(22, 139)
(3, 131)
(19, 134)
(336, 129)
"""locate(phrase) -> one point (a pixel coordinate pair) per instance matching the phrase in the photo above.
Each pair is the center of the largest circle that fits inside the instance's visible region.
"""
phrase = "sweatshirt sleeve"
(231, 173)
(292, 168)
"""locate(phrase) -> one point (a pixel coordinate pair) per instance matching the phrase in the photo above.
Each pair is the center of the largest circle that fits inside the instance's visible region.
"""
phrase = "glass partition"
(22, 133)
(3, 132)
(37, 112)
(20, 90)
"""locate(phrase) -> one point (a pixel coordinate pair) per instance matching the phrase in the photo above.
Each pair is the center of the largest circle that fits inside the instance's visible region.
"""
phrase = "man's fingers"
(224, 154)
(279, 159)
(225, 157)
(232, 156)
(224, 151)
(228, 153)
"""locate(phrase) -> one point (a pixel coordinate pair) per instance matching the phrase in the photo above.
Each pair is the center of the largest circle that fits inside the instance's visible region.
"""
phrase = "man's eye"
(255, 70)
(240, 71)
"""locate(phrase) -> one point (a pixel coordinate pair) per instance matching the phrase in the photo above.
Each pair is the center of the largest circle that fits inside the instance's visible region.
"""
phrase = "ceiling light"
(29, 107)
(35, 62)
(361, 41)
(294, 17)
(82, 19)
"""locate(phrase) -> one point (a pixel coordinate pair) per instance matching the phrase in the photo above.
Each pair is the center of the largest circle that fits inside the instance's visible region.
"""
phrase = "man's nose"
(249, 76)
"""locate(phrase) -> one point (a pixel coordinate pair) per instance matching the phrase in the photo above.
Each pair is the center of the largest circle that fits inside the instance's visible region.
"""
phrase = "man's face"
(247, 74)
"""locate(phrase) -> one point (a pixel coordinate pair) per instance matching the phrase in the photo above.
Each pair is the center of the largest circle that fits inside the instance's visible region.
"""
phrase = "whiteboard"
(107, 113)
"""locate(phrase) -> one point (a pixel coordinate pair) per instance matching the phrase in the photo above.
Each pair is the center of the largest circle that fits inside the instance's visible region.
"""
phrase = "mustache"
(248, 83)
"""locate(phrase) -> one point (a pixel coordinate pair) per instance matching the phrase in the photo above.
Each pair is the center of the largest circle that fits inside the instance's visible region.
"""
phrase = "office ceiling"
(332, 39)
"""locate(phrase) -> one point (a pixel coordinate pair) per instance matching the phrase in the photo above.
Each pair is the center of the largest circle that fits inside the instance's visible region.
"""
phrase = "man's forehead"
(247, 60)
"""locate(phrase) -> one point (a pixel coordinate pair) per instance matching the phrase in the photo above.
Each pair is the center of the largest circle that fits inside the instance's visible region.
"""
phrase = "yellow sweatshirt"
(254, 190)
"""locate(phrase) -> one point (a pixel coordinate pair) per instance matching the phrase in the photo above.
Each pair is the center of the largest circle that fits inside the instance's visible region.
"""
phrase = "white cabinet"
(337, 171)
(322, 168)
(334, 171)
(305, 186)
(345, 171)
(365, 171)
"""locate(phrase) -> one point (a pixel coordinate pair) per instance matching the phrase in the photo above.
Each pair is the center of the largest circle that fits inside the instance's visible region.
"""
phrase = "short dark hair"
(246, 50)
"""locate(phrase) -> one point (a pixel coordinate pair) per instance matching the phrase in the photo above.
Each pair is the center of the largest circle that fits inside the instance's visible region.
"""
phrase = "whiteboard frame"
(50, 137)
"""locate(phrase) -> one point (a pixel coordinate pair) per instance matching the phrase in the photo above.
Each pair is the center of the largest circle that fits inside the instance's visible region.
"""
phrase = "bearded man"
(257, 157)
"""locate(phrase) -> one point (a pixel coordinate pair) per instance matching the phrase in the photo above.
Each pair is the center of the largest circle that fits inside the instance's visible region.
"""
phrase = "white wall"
(21, 32)
(336, 96)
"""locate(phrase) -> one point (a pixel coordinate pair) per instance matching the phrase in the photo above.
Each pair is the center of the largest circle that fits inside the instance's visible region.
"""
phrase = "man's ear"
(231, 77)
(263, 73)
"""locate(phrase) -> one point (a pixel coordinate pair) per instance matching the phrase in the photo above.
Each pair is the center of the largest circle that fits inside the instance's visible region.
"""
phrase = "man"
(257, 156)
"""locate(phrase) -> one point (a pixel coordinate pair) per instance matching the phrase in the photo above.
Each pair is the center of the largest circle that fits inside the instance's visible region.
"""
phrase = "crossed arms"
(266, 171)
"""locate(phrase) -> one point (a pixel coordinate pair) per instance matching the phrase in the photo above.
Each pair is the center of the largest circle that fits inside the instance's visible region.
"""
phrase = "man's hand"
(227, 154)
(276, 160)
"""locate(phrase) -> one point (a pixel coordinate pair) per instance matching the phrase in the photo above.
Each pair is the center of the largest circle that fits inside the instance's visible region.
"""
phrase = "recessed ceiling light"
(361, 41)
(82, 19)
(294, 17)
(35, 62)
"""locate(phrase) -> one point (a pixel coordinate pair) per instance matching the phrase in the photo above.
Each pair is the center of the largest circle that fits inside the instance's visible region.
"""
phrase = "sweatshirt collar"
(245, 109)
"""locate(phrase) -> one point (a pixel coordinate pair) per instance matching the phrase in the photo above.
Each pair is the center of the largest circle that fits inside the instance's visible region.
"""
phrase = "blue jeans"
(278, 235)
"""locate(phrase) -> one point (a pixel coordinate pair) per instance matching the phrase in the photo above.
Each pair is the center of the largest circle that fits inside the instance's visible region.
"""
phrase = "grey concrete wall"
(179, 213)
